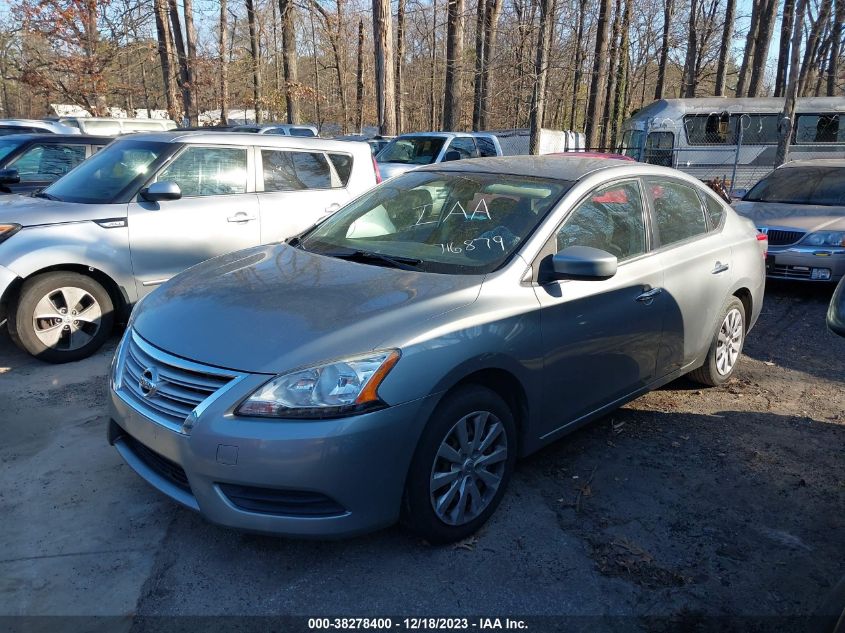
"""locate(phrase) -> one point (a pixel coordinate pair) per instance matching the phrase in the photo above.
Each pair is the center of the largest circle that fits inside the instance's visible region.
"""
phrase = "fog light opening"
(820, 274)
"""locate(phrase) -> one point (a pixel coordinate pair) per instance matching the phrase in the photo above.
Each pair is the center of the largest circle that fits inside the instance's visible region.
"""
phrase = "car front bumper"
(806, 263)
(304, 478)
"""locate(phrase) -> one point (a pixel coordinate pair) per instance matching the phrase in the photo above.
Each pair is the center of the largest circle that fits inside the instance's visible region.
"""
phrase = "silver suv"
(78, 255)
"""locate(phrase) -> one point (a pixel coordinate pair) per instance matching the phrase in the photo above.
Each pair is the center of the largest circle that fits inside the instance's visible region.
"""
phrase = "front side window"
(446, 222)
(111, 173)
(611, 219)
(295, 171)
(207, 171)
(678, 213)
(412, 150)
(658, 148)
(48, 162)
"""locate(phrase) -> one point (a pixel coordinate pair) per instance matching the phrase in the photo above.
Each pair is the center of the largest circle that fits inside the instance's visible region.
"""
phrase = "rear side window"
(677, 210)
(48, 162)
(279, 131)
(343, 166)
(486, 147)
(295, 171)
(464, 146)
(301, 131)
(208, 171)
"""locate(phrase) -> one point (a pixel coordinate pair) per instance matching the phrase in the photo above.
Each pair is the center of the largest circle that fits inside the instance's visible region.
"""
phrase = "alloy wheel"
(729, 343)
(66, 318)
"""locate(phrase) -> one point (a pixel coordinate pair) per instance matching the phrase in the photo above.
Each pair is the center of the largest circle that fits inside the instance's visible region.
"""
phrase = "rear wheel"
(61, 317)
(726, 347)
(462, 465)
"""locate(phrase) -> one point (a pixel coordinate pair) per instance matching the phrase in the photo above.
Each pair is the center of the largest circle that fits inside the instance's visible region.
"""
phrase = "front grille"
(295, 503)
(171, 471)
(779, 237)
(790, 272)
(180, 385)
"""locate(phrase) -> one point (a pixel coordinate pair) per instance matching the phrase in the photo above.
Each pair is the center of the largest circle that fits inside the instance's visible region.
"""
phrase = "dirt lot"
(685, 505)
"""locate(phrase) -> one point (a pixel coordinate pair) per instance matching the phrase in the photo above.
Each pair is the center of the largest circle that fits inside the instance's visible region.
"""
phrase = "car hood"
(389, 170)
(274, 308)
(805, 217)
(29, 211)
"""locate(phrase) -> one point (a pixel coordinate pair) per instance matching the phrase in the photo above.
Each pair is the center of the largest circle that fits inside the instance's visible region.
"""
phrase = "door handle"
(720, 268)
(240, 218)
(647, 296)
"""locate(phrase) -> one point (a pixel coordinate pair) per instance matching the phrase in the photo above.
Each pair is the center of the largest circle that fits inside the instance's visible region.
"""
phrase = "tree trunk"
(594, 106)
(256, 61)
(453, 90)
(787, 122)
(541, 71)
(768, 17)
(359, 80)
(383, 53)
(725, 48)
(191, 39)
(181, 56)
(286, 13)
(835, 48)
(620, 100)
(688, 80)
(579, 61)
(400, 59)
(491, 34)
(165, 52)
(819, 64)
(816, 29)
(480, 33)
(432, 113)
(668, 10)
(611, 77)
(224, 64)
(750, 46)
(783, 53)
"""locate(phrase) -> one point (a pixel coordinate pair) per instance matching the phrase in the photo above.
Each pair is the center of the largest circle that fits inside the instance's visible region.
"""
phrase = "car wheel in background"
(61, 317)
(462, 465)
(726, 347)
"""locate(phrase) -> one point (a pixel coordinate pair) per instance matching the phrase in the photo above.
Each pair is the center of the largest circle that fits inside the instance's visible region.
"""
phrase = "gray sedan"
(395, 360)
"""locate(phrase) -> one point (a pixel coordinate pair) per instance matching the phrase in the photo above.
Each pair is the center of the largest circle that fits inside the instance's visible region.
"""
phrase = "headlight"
(8, 230)
(825, 238)
(329, 390)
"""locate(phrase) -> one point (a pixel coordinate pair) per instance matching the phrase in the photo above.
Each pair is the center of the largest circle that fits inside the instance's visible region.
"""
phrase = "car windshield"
(108, 173)
(9, 144)
(412, 150)
(802, 185)
(444, 222)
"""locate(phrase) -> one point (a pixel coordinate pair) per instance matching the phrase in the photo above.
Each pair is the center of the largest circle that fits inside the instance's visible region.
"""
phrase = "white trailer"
(515, 142)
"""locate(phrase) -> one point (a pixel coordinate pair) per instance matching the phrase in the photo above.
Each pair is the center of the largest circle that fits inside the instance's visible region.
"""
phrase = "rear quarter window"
(343, 166)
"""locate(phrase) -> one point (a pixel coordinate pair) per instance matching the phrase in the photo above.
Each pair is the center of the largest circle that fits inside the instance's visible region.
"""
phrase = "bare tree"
(668, 11)
(335, 34)
(689, 80)
(783, 52)
(359, 80)
(165, 52)
(541, 70)
(491, 36)
(256, 61)
(787, 122)
(725, 48)
(594, 105)
(383, 53)
(611, 75)
(400, 60)
(453, 90)
(480, 34)
(814, 38)
(191, 65)
(620, 99)
(769, 14)
(224, 63)
(579, 61)
(286, 13)
(835, 48)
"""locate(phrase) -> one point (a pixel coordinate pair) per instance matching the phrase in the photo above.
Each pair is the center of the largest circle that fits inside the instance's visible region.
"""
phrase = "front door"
(217, 214)
(601, 337)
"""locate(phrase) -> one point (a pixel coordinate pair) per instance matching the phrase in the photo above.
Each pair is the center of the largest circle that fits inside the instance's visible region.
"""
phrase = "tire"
(57, 337)
(721, 361)
(475, 407)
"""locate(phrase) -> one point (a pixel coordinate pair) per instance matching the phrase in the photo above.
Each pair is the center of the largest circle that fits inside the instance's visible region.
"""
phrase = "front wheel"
(462, 465)
(61, 317)
(726, 347)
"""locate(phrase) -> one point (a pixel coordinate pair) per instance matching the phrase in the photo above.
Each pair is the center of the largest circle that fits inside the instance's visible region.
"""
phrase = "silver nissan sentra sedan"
(395, 360)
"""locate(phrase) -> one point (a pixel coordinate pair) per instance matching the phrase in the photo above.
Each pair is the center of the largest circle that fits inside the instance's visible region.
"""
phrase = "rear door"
(298, 188)
(697, 266)
(217, 214)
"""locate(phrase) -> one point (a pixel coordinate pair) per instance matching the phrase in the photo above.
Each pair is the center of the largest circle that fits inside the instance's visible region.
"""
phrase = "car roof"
(815, 162)
(572, 167)
(61, 138)
(238, 138)
(451, 134)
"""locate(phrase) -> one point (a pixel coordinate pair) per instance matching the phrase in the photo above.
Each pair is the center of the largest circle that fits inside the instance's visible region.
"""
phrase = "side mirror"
(451, 155)
(159, 191)
(584, 262)
(836, 311)
(9, 176)
(738, 194)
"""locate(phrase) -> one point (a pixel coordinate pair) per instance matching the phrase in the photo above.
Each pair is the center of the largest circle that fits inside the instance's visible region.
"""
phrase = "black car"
(29, 162)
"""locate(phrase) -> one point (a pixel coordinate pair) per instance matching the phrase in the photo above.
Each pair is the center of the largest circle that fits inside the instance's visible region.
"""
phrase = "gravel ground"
(688, 509)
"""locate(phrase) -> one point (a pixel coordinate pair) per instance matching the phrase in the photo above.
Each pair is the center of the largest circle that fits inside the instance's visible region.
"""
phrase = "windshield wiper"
(403, 263)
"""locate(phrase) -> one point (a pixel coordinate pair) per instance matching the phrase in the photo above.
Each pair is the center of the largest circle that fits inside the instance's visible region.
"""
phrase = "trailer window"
(632, 143)
(710, 129)
(759, 129)
(658, 148)
(819, 128)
